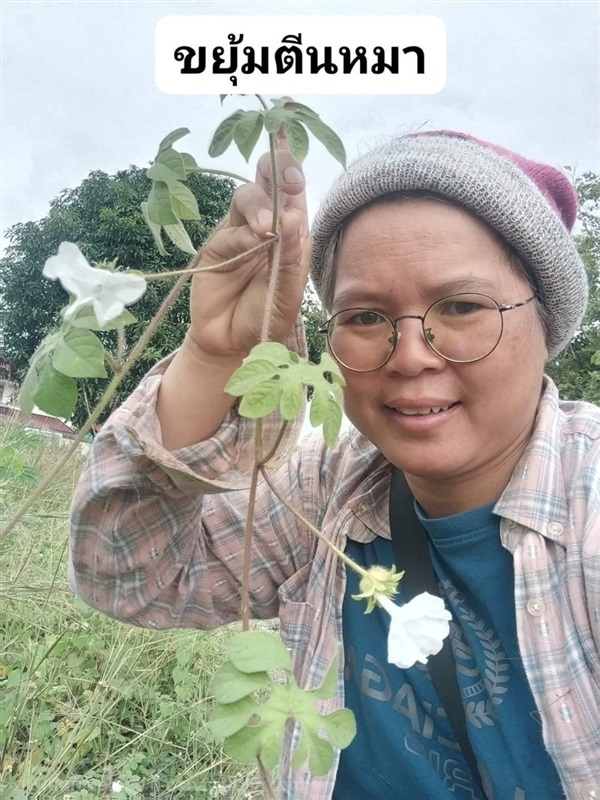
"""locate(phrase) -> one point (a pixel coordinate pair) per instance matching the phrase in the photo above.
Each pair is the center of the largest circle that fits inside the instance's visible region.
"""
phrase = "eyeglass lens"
(462, 328)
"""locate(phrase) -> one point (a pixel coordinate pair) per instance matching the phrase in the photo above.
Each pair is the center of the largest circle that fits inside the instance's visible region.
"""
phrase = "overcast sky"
(78, 90)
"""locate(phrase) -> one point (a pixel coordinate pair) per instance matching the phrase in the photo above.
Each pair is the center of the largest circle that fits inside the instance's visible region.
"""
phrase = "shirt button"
(591, 792)
(364, 507)
(555, 528)
(511, 525)
(536, 608)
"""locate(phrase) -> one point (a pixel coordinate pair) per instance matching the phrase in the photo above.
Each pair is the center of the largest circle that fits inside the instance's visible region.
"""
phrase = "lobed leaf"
(260, 401)
(291, 398)
(228, 718)
(274, 352)
(154, 230)
(297, 139)
(230, 684)
(223, 136)
(160, 207)
(79, 354)
(340, 726)
(172, 137)
(249, 375)
(247, 132)
(255, 651)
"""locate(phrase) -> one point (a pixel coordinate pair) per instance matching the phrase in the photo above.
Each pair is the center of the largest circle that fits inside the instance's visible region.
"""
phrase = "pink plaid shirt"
(157, 540)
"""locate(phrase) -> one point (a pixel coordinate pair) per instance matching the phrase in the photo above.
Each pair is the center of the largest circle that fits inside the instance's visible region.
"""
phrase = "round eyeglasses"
(461, 328)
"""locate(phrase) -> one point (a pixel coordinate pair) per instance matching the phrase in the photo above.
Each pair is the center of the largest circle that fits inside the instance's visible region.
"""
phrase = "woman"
(451, 277)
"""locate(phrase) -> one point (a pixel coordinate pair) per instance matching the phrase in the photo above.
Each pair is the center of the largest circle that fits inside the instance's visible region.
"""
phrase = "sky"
(78, 91)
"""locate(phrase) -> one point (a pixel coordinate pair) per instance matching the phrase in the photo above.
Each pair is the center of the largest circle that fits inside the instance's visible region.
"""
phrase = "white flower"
(107, 292)
(417, 629)
(117, 786)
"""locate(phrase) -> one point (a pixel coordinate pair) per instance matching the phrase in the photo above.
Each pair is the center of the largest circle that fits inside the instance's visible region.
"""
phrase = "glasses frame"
(325, 328)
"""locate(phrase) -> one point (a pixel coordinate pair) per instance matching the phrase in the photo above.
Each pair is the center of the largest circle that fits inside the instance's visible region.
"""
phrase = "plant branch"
(262, 102)
(103, 402)
(233, 175)
(264, 459)
(248, 550)
(271, 792)
(339, 553)
(231, 262)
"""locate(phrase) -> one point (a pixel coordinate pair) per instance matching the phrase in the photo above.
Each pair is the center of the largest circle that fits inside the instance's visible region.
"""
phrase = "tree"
(104, 218)
(576, 371)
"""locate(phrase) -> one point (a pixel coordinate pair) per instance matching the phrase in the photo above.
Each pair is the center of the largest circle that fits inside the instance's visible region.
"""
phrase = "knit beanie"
(532, 206)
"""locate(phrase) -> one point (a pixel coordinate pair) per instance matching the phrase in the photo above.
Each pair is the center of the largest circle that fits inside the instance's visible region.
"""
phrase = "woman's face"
(399, 257)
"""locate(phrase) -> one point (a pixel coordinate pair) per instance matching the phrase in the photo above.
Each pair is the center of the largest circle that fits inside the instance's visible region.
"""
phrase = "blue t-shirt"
(405, 748)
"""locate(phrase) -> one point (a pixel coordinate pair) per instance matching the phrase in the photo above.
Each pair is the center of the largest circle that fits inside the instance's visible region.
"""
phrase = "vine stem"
(267, 781)
(273, 268)
(233, 175)
(231, 262)
(103, 402)
(339, 553)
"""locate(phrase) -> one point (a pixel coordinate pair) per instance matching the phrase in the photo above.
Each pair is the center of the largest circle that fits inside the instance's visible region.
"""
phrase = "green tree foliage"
(103, 216)
(577, 370)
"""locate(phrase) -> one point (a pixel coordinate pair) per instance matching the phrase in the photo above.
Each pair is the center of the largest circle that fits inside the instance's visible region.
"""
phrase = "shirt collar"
(535, 496)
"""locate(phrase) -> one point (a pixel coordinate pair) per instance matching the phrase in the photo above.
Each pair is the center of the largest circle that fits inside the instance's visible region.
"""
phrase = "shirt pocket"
(295, 617)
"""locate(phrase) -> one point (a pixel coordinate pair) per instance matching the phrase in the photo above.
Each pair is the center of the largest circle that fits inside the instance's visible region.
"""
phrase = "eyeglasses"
(461, 328)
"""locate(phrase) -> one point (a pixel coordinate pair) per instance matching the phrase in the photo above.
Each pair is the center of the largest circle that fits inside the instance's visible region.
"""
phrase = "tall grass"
(90, 708)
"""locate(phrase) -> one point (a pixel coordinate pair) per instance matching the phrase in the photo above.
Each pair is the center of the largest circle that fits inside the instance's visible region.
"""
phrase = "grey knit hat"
(532, 206)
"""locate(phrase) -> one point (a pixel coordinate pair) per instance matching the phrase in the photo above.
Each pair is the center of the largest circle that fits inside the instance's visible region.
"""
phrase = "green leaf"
(223, 136)
(274, 119)
(55, 393)
(274, 352)
(228, 718)
(86, 318)
(173, 161)
(292, 396)
(230, 684)
(341, 727)
(260, 401)
(172, 137)
(189, 163)
(29, 385)
(244, 745)
(332, 423)
(183, 201)
(247, 132)
(298, 139)
(180, 238)
(254, 651)
(79, 354)
(249, 375)
(325, 135)
(158, 172)
(160, 208)
(154, 229)
(321, 755)
(292, 105)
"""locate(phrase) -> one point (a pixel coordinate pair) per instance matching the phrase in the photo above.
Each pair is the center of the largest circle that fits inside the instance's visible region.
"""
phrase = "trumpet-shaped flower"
(107, 292)
(417, 629)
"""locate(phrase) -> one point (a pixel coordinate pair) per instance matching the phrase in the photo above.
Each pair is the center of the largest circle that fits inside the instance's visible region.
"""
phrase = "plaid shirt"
(157, 540)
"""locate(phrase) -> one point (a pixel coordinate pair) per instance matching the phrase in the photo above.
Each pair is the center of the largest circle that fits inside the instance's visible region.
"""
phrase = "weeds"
(90, 708)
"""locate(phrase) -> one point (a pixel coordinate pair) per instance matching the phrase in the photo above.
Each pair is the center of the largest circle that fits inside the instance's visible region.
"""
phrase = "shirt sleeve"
(157, 537)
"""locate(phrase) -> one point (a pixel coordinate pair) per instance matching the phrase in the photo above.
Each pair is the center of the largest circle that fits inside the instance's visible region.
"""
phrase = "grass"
(88, 705)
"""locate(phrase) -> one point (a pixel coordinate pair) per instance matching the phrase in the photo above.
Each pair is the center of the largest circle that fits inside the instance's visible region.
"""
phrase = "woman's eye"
(365, 318)
(459, 307)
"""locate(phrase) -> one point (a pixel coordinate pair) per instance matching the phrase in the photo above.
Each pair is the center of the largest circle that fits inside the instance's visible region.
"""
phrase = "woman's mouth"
(422, 419)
